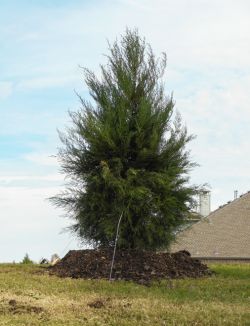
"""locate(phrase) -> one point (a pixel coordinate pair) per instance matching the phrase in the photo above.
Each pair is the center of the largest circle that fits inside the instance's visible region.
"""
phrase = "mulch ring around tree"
(142, 267)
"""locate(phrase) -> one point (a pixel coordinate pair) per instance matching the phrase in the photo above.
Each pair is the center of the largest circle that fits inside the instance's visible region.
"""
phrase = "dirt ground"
(133, 265)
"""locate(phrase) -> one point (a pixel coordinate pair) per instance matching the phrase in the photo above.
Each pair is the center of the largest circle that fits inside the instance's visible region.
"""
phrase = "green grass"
(31, 297)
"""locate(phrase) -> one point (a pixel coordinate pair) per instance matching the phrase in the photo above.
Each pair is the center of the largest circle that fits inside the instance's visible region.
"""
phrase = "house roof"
(223, 233)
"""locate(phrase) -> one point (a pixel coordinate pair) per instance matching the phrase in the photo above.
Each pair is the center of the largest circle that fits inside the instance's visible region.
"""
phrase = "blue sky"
(42, 45)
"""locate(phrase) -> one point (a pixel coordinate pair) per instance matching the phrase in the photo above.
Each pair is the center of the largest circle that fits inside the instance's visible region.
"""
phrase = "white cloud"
(6, 89)
(42, 159)
(47, 82)
(30, 224)
(199, 35)
(220, 118)
(29, 36)
(5, 179)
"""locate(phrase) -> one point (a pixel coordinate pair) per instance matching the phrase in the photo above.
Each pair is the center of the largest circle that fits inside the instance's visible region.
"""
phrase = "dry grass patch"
(29, 296)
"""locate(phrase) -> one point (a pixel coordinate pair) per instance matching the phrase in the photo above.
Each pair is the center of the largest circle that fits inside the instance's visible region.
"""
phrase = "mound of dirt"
(139, 266)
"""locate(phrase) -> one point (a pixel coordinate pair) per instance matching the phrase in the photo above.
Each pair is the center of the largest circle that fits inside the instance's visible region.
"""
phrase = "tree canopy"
(125, 152)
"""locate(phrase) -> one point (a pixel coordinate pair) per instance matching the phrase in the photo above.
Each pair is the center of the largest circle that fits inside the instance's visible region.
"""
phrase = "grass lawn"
(29, 297)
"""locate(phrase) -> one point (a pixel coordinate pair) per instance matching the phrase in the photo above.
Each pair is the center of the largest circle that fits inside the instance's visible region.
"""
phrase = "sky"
(42, 46)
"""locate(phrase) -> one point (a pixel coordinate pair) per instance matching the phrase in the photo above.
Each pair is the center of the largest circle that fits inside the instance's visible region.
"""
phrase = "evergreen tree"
(126, 154)
(26, 260)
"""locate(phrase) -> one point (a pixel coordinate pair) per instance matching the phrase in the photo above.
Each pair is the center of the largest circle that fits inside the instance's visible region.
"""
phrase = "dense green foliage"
(126, 154)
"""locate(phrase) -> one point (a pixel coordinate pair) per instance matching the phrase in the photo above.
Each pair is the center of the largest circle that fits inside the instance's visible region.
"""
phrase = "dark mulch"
(139, 266)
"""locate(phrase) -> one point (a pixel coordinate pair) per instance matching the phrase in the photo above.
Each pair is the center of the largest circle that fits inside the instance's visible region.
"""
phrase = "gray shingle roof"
(223, 233)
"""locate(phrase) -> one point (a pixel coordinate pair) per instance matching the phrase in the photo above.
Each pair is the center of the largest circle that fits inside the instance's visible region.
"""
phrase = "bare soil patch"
(133, 265)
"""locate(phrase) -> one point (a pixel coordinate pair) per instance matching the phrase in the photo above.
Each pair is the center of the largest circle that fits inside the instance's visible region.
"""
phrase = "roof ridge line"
(228, 203)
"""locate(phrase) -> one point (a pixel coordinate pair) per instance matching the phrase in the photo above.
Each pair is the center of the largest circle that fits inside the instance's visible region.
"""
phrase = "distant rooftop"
(223, 233)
